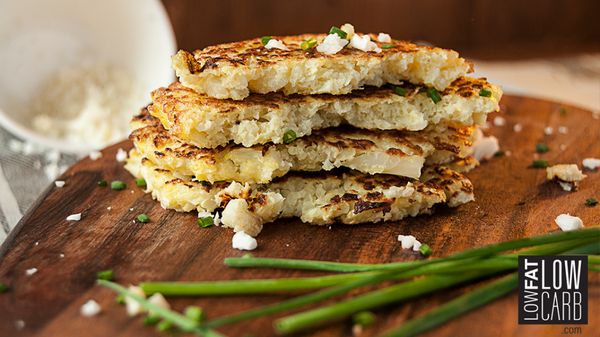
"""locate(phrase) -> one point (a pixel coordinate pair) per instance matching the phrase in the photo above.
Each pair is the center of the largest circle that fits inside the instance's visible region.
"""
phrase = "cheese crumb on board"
(74, 217)
(567, 222)
(243, 241)
(517, 127)
(121, 155)
(159, 300)
(548, 130)
(59, 183)
(132, 306)
(499, 121)
(90, 308)
(31, 271)
(484, 147)
(95, 155)
(591, 163)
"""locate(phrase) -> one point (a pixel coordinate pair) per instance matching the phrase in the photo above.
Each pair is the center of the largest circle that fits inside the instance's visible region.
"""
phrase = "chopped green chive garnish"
(143, 218)
(265, 39)
(102, 183)
(164, 326)
(151, 320)
(499, 153)
(194, 313)
(425, 250)
(107, 275)
(400, 91)
(289, 136)
(3, 288)
(308, 44)
(434, 95)
(120, 299)
(206, 221)
(117, 185)
(562, 110)
(140, 182)
(364, 318)
(591, 202)
(541, 148)
(485, 93)
(387, 46)
(539, 164)
(335, 30)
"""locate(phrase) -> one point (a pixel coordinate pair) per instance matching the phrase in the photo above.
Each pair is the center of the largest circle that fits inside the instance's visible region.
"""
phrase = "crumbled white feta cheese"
(566, 186)
(484, 147)
(31, 271)
(416, 246)
(74, 217)
(275, 44)
(159, 300)
(348, 29)
(19, 324)
(499, 121)
(217, 219)
(332, 44)
(61, 255)
(563, 129)
(383, 37)
(364, 43)
(518, 127)
(59, 183)
(406, 241)
(567, 222)
(90, 308)
(52, 156)
(243, 241)
(562, 147)
(121, 155)
(591, 163)
(108, 208)
(548, 130)
(15, 145)
(132, 306)
(95, 155)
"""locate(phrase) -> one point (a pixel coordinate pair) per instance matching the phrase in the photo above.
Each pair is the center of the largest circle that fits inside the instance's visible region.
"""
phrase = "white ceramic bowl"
(41, 37)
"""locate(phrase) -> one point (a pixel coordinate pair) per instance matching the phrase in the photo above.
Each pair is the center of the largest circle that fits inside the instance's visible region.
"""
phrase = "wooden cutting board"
(513, 201)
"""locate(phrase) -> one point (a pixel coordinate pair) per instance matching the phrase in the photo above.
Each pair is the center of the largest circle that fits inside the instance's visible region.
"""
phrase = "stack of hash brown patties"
(249, 134)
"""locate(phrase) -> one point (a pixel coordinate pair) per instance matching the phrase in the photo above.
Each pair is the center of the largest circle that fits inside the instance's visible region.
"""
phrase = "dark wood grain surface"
(513, 201)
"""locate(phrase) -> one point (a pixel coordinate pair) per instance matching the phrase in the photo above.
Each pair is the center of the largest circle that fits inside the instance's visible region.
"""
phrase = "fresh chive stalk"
(456, 307)
(388, 46)
(591, 202)
(194, 313)
(425, 250)
(182, 322)
(3, 288)
(102, 183)
(255, 262)
(364, 318)
(107, 275)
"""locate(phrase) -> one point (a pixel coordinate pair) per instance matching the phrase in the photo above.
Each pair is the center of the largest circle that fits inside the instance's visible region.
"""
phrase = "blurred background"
(548, 49)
